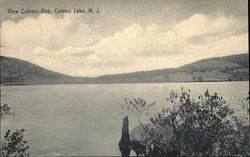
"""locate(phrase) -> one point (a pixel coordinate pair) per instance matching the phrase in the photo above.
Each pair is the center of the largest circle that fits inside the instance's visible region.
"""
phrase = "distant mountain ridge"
(228, 68)
(16, 71)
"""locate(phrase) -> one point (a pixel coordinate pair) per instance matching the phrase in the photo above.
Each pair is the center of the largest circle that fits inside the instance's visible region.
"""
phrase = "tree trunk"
(125, 144)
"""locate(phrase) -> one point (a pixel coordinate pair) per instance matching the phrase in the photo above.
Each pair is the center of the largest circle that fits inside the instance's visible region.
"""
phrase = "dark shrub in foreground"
(203, 126)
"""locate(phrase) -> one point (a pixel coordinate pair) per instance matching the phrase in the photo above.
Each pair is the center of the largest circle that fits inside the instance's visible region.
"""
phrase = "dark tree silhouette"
(124, 144)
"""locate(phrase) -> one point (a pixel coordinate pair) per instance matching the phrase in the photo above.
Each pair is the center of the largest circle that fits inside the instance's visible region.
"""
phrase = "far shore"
(32, 84)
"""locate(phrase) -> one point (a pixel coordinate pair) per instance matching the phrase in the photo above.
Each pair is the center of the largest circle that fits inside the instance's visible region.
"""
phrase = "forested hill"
(16, 71)
(228, 68)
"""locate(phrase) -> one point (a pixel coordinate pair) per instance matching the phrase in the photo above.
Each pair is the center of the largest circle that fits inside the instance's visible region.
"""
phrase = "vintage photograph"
(155, 78)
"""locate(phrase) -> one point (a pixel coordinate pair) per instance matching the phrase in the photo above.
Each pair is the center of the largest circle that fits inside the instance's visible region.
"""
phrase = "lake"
(86, 120)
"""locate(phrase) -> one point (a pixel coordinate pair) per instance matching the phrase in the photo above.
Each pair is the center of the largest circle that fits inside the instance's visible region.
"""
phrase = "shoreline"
(212, 81)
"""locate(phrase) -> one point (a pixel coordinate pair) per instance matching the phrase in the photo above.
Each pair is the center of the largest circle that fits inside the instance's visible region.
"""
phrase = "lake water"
(86, 120)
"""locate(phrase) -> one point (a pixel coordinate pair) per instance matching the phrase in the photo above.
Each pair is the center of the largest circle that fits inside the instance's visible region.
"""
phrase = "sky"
(126, 36)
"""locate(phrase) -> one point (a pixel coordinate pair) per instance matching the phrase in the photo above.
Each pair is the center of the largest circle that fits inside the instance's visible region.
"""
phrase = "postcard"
(124, 78)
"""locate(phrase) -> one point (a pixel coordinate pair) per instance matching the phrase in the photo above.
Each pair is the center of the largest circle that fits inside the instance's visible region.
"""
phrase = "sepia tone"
(124, 78)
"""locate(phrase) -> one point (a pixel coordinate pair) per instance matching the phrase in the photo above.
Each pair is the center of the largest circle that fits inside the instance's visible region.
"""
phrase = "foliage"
(5, 109)
(200, 78)
(202, 126)
(13, 144)
(245, 107)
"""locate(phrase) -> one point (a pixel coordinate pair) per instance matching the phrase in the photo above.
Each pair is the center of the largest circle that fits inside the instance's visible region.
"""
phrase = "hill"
(228, 68)
(16, 71)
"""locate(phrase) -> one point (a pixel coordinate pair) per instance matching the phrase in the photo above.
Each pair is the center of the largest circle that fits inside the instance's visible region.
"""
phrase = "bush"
(5, 109)
(202, 126)
(13, 144)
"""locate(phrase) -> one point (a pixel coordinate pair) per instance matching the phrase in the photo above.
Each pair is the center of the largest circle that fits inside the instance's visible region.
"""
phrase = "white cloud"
(70, 45)
(46, 31)
(200, 25)
(69, 51)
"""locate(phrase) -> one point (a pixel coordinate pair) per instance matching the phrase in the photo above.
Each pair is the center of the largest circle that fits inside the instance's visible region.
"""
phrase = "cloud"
(135, 42)
(46, 31)
(200, 25)
(69, 51)
(71, 45)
